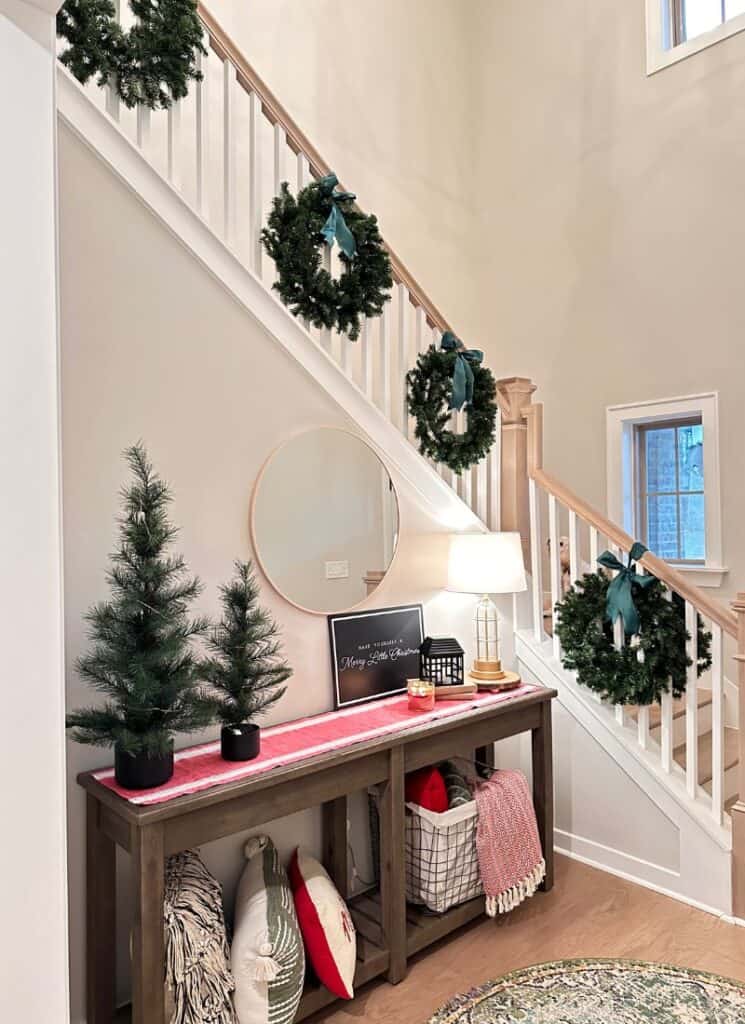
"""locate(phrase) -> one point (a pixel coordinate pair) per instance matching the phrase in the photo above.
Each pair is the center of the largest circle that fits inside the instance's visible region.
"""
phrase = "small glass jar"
(421, 694)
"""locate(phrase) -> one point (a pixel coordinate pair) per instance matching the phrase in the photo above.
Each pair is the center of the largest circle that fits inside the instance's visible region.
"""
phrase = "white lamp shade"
(486, 563)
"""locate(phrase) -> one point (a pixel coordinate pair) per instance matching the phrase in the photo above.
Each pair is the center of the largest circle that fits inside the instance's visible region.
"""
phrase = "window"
(663, 480)
(670, 512)
(679, 28)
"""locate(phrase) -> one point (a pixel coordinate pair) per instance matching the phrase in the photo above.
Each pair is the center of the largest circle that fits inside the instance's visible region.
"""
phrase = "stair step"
(731, 754)
(679, 708)
(729, 804)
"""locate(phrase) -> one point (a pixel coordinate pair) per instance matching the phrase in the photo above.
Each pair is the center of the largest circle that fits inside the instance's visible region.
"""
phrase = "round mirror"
(325, 520)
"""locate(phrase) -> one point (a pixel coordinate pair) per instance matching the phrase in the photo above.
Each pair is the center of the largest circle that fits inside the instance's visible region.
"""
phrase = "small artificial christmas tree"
(246, 670)
(142, 657)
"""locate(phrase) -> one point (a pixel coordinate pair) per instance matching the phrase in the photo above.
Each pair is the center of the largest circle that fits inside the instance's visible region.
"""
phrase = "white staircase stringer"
(702, 876)
(101, 134)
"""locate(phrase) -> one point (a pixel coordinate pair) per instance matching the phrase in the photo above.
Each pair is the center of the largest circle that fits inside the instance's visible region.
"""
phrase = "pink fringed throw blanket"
(507, 842)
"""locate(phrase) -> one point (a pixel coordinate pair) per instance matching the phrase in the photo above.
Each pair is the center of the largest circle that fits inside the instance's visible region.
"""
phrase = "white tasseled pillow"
(267, 956)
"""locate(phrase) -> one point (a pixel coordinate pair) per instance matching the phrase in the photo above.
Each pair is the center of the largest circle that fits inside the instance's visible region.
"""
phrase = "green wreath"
(448, 378)
(621, 676)
(296, 232)
(151, 65)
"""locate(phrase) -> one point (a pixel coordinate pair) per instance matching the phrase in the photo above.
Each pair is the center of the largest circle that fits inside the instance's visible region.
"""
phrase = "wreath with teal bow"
(297, 230)
(446, 379)
(652, 625)
(151, 65)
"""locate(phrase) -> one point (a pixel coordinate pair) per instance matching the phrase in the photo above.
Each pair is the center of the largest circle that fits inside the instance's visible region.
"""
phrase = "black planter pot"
(240, 742)
(141, 771)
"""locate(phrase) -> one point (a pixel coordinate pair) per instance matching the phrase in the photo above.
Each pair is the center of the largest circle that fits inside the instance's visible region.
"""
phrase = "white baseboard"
(629, 875)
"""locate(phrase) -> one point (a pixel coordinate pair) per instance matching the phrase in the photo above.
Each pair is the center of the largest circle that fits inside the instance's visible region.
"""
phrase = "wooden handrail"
(674, 579)
(299, 142)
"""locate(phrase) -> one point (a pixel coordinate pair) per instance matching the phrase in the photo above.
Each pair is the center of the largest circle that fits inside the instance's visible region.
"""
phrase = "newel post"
(738, 810)
(514, 395)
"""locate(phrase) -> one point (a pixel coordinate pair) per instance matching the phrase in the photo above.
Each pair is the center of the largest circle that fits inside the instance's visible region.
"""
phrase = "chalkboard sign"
(374, 653)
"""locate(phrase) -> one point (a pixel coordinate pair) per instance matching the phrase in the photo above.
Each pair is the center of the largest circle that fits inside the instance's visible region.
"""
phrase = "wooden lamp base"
(489, 675)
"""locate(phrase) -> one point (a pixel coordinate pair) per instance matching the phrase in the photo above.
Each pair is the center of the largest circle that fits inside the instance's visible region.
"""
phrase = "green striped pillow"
(458, 790)
(267, 955)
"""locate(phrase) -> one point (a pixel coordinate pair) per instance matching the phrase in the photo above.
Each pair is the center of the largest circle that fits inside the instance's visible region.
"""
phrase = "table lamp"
(486, 563)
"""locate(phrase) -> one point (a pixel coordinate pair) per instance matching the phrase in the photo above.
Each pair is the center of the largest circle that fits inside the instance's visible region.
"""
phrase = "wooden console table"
(389, 931)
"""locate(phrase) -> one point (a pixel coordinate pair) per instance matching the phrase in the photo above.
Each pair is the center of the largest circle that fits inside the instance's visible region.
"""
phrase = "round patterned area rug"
(600, 992)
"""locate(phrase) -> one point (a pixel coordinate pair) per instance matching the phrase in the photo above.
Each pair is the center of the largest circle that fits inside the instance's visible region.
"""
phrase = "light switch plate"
(337, 570)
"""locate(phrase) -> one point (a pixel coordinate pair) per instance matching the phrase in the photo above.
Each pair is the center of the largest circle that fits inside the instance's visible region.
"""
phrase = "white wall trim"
(573, 845)
(620, 421)
(660, 53)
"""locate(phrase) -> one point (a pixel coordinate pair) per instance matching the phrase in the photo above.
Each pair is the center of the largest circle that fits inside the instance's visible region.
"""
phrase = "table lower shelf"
(422, 929)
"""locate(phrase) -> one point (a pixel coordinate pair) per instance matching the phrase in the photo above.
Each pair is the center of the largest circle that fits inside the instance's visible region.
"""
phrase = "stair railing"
(226, 149)
(589, 532)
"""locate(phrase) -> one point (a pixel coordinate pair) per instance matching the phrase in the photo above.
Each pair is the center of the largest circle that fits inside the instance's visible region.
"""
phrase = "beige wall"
(616, 224)
(153, 348)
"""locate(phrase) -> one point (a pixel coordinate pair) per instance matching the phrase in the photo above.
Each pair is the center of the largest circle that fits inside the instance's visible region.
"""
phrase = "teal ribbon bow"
(463, 377)
(335, 226)
(620, 600)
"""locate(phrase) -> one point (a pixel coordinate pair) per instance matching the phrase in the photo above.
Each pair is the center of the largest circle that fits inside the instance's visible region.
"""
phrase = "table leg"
(392, 866)
(148, 947)
(335, 843)
(100, 918)
(543, 789)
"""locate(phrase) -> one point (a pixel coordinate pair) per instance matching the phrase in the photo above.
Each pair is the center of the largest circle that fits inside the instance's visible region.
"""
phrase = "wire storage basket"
(442, 868)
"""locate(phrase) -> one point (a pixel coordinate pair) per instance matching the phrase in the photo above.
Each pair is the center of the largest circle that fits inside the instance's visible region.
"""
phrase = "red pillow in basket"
(426, 788)
(325, 924)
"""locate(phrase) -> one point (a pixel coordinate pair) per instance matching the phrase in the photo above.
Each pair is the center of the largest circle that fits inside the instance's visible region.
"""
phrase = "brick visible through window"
(670, 488)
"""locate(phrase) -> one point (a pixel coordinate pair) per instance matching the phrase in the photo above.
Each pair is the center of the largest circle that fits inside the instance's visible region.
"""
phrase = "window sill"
(659, 57)
(703, 575)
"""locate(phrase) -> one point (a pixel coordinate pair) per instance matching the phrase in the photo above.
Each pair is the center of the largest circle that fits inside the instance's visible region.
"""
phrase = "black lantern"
(441, 661)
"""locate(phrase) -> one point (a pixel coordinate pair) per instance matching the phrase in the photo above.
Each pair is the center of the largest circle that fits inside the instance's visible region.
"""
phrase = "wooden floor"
(589, 913)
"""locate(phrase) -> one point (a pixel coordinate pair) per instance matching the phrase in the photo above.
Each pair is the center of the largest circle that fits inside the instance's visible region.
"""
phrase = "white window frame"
(621, 471)
(660, 50)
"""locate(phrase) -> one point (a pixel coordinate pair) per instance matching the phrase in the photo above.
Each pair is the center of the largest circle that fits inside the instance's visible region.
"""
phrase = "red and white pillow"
(325, 924)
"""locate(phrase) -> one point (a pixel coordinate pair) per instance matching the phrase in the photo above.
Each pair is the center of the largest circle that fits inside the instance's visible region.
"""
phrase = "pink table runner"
(202, 767)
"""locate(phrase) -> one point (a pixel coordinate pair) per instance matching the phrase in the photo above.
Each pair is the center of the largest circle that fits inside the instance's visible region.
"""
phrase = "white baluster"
(345, 352)
(642, 724)
(385, 363)
(495, 471)
(366, 363)
(692, 703)
(112, 99)
(642, 720)
(202, 137)
(482, 490)
(229, 150)
(717, 724)
(555, 569)
(536, 557)
(666, 722)
(421, 329)
(325, 336)
(619, 640)
(143, 128)
(174, 142)
(254, 180)
(403, 354)
(574, 554)
(593, 549)
(280, 149)
(303, 171)
(302, 168)
(467, 487)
